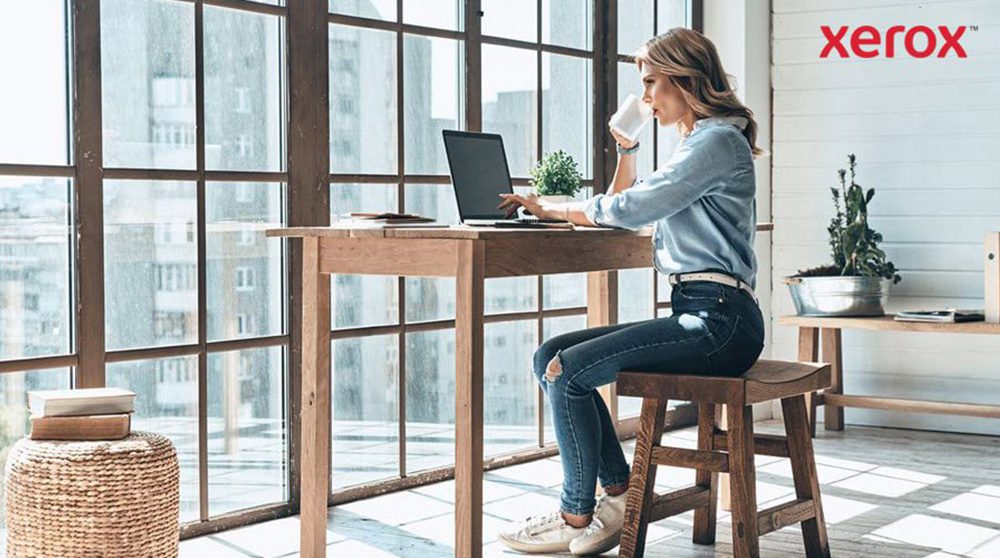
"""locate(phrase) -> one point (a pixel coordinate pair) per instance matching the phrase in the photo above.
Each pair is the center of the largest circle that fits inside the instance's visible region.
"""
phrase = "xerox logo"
(919, 41)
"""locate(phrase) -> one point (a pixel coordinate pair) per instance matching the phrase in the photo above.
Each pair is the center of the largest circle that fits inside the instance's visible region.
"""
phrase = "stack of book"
(81, 414)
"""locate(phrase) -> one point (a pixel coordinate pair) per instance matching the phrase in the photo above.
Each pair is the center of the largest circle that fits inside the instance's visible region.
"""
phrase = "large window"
(386, 153)
(136, 186)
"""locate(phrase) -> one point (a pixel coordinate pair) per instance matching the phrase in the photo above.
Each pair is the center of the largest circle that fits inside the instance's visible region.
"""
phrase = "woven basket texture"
(113, 498)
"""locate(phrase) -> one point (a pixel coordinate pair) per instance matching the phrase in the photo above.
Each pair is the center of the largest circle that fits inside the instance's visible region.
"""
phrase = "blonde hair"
(692, 64)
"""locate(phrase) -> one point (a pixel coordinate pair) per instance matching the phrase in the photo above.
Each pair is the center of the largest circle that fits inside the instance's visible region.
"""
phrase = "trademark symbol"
(973, 28)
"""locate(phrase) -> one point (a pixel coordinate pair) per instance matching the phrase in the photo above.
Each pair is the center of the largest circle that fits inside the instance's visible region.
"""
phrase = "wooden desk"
(834, 399)
(471, 255)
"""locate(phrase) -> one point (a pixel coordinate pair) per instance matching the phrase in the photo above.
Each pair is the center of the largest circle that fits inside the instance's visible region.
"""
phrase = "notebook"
(949, 315)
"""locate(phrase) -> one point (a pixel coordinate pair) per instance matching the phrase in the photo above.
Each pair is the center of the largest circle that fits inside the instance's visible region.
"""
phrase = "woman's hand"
(531, 204)
(622, 140)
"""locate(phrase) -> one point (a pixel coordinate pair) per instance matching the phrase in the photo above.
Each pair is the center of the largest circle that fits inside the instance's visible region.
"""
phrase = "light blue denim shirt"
(701, 203)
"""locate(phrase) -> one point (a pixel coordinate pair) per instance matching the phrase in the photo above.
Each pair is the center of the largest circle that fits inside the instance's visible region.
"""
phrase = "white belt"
(720, 278)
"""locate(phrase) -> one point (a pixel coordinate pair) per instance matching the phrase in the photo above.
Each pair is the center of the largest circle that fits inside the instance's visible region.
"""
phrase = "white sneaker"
(542, 534)
(605, 530)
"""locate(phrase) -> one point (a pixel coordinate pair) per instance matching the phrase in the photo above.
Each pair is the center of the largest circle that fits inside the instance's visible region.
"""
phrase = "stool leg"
(742, 479)
(704, 518)
(800, 452)
(725, 501)
(640, 488)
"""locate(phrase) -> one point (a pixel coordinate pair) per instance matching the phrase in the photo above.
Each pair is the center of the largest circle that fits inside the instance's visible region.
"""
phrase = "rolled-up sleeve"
(696, 169)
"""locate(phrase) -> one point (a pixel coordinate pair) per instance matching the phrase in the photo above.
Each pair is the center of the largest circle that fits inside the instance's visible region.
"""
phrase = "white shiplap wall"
(927, 136)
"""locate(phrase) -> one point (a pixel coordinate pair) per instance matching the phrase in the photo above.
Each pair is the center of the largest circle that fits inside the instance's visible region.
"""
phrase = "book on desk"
(948, 316)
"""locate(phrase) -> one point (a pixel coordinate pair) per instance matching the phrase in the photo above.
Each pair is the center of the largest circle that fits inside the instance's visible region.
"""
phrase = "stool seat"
(765, 381)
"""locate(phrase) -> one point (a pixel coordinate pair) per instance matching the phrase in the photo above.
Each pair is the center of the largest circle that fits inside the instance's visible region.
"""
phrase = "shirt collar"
(738, 121)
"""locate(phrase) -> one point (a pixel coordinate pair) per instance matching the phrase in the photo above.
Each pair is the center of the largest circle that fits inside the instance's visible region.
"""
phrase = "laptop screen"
(478, 172)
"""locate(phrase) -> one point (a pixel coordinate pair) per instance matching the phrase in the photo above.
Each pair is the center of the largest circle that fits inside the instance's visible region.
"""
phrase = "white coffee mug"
(631, 117)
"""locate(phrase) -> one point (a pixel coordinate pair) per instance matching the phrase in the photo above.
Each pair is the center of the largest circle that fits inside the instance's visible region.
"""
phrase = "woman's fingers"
(510, 202)
(509, 199)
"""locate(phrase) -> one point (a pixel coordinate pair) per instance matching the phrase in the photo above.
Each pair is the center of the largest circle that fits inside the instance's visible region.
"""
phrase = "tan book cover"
(87, 427)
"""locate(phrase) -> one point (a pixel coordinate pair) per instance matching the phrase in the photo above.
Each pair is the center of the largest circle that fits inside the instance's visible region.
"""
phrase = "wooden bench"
(726, 451)
(834, 400)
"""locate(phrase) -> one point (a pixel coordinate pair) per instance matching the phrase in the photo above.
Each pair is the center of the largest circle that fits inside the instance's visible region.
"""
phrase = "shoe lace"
(543, 520)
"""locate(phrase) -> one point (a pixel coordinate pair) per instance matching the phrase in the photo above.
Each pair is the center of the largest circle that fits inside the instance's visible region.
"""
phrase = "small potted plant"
(857, 282)
(556, 177)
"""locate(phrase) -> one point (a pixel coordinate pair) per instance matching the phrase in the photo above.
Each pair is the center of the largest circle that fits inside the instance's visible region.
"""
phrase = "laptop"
(479, 174)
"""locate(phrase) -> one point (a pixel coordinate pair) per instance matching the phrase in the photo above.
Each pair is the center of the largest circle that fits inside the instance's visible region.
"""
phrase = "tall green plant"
(854, 245)
(556, 175)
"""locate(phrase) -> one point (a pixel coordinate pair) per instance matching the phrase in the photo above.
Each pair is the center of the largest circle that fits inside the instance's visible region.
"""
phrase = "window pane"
(568, 23)
(509, 103)
(349, 198)
(433, 79)
(635, 24)
(245, 273)
(635, 295)
(35, 270)
(511, 294)
(509, 410)
(34, 108)
(166, 402)
(247, 432)
(374, 9)
(430, 399)
(360, 300)
(564, 290)
(433, 200)
(630, 82)
(243, 105)
(431, 298)
(444, 14)
(567, 114)
(511, 19)
(14, 420)
(150, 263)
(362, 110)
(147, 83)
(670, 14)
(365, 388)
(553, 327)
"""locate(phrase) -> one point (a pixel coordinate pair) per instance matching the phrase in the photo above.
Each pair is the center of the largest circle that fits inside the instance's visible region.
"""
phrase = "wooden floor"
(886, 493)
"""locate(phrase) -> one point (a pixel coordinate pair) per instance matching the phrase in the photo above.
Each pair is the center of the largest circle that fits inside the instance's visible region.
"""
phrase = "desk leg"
(469, 302)
(833, 353)
(809, 352)
(602, 310)
(315, 413)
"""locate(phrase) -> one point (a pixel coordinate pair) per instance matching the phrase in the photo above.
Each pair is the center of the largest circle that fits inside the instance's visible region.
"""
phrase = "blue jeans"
(714, 330)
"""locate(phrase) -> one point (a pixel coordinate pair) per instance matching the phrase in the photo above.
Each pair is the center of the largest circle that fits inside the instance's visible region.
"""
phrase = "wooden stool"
(726, 451)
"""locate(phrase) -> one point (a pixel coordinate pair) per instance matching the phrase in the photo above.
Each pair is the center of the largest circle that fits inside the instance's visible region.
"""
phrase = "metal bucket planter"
(839, 296)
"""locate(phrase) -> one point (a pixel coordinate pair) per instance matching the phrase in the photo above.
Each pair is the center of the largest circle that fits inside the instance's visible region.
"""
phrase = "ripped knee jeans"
(715, 330)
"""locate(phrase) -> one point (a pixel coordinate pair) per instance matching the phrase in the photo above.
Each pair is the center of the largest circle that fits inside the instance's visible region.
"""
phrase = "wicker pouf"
(106, 498)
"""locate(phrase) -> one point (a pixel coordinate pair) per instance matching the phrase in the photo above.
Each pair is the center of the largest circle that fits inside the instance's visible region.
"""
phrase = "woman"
(702, 205)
